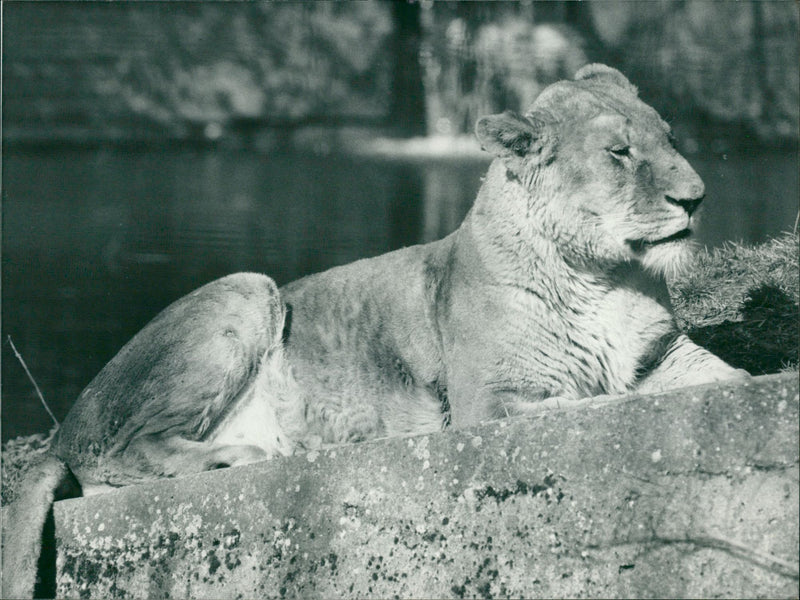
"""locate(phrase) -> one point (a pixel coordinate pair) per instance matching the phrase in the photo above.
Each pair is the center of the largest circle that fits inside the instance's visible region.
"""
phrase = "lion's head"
(600, 172)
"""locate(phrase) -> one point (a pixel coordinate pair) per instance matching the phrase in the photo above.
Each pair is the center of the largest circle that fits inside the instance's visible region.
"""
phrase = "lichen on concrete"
(687, 493)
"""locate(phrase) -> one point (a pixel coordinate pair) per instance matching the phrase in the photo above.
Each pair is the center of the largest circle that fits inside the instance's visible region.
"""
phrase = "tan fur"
(553, 287)
(551, 290)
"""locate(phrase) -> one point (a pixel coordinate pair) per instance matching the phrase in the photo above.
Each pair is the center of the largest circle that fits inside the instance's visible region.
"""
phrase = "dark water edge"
(97, 241)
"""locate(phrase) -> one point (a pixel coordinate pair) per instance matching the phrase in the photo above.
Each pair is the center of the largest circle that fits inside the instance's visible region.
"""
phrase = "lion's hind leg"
(204, 385)
(155, 456)
(265, 420)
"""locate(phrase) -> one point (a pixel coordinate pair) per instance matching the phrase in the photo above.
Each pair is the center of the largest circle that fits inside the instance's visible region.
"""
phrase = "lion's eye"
(620, 151)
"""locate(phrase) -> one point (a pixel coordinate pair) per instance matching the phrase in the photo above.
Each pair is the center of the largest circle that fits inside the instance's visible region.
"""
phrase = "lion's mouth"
(642, 245)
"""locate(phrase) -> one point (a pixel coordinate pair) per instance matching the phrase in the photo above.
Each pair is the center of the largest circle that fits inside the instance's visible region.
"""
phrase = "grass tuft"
(741, 303)
(19, 455)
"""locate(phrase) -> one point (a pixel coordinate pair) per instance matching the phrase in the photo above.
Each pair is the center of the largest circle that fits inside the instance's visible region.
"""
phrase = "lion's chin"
(641, 245)
(668, 258)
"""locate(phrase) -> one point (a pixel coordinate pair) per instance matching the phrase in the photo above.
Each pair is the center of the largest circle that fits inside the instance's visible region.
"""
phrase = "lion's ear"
(600, 72)
(509, 135)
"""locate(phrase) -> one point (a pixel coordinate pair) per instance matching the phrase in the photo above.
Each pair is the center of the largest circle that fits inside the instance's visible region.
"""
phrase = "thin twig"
(33, 381)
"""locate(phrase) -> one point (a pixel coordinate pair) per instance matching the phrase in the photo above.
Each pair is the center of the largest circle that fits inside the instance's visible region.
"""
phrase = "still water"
(96, 242)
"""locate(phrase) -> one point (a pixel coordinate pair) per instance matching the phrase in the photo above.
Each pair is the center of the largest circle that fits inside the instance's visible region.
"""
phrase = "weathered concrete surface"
(692, 493)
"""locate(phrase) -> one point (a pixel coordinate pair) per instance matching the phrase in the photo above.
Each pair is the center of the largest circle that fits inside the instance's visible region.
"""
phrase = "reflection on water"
(96, 242)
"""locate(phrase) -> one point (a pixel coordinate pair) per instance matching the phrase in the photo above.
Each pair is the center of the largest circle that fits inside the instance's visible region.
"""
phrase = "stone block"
(690, 493)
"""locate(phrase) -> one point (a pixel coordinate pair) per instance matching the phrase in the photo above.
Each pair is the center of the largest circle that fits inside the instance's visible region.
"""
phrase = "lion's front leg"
(524, 406)
(684, 364)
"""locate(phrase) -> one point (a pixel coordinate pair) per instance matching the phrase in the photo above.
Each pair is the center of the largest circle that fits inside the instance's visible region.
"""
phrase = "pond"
(97, 241)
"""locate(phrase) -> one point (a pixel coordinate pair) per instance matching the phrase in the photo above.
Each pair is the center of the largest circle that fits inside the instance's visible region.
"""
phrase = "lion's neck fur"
(598, 323)
(520, 244)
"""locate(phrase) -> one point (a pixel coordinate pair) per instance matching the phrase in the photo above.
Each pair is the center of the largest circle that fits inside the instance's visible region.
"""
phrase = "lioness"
(553, 287)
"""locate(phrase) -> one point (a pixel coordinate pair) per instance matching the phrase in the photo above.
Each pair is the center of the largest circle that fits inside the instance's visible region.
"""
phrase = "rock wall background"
(152, 71)
(733, 64)
(139, 70)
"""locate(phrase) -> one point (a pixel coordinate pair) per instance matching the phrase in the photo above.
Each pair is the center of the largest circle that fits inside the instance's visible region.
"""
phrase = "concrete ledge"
(692, 493)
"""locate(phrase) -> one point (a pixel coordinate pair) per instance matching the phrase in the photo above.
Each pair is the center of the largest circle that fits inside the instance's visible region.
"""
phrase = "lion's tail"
(28, 567)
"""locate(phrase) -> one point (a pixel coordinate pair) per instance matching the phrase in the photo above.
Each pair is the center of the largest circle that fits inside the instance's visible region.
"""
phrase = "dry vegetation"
(741, 302)
(18, 456)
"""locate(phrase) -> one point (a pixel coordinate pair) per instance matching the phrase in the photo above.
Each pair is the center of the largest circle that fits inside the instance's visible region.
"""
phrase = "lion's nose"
(688, 204)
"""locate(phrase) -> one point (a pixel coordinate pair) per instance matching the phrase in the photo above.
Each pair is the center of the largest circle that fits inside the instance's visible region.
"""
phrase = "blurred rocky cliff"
(732, 64)
(250, 71)
(83, 71)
